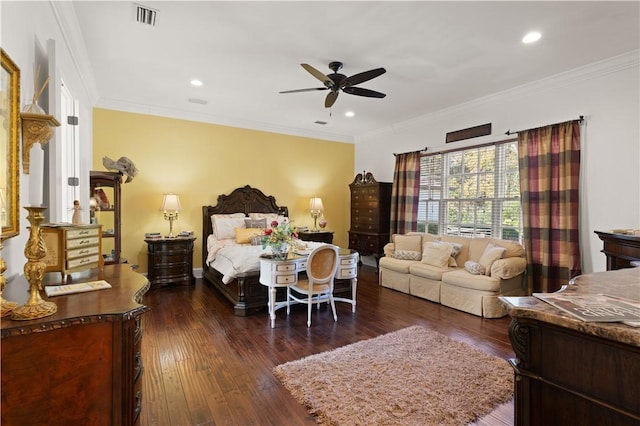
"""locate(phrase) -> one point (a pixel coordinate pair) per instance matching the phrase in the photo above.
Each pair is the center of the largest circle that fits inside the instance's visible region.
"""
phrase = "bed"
(244, 291)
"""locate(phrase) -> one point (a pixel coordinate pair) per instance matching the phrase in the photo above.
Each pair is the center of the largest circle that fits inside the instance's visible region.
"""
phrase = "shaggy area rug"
(412, 376)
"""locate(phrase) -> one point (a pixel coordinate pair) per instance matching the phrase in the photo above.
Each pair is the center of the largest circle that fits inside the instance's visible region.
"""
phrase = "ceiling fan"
(336, 82)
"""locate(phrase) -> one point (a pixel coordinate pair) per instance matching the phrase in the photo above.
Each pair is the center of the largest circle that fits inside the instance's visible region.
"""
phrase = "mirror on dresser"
(10, 116)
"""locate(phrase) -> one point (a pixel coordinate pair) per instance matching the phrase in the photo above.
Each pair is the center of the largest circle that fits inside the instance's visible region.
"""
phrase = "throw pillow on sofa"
(436, 254)
(407, 247)
(491, 253)
(473, 267)
(455, 250)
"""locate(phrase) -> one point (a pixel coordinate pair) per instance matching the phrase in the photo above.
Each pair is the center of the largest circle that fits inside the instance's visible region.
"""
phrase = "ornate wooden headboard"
(242, 200)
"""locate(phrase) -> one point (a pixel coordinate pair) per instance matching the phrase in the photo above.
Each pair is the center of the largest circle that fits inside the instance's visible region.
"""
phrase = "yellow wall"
(199, 161)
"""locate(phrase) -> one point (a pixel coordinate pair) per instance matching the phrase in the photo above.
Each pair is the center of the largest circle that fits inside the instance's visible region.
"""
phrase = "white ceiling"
(437, 55)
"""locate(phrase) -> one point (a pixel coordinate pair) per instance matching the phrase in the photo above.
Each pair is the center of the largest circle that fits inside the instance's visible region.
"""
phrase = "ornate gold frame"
(9, 143)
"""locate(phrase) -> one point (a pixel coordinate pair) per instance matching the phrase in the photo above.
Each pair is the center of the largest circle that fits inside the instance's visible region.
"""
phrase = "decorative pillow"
(269, 217)
(243, 235)
(407, 247)
(407, 255)
(223, 229)
(474, 267)
(214, 217)
(435, 254)
(255, 223)
(256, 240)
(455, 250)
(491, 253)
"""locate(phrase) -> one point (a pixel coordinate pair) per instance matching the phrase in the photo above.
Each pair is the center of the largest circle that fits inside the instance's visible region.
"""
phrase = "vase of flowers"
(278, 237)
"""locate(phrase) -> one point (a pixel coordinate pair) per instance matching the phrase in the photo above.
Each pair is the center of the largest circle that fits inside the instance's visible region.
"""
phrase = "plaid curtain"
(549, 161)
(405, 192)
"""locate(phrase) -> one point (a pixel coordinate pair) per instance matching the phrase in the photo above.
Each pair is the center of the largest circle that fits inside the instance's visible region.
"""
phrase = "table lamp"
(171, 206)
(316, 208)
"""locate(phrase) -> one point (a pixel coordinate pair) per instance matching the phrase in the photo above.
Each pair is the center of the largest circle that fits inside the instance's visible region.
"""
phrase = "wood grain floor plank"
(205, 366)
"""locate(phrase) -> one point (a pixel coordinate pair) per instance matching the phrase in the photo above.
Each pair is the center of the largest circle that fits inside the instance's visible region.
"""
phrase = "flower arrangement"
(278, 235)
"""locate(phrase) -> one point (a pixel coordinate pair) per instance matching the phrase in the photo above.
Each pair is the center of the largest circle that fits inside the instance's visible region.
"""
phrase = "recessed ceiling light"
(349, 113)
(196, 82)
(531, 37)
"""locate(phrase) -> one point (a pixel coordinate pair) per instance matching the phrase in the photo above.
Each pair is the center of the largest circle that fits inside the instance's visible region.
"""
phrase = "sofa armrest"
(508, 268)
(388, 249)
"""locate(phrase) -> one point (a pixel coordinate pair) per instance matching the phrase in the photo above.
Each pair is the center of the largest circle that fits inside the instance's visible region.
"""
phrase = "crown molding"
(591, 71)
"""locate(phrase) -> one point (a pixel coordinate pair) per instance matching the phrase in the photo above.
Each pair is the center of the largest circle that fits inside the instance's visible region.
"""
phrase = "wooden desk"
(284, 273)
(83, 364)
(570, 372)
(620, 249)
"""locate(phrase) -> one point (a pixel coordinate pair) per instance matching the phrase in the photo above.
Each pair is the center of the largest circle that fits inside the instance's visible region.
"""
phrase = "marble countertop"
(622, 283)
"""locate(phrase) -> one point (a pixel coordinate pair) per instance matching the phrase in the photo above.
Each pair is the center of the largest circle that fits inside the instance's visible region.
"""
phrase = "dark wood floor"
(205, 366)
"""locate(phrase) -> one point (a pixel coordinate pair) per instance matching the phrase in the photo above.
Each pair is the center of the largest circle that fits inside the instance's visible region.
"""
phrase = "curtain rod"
(509, 132)
(425, 149)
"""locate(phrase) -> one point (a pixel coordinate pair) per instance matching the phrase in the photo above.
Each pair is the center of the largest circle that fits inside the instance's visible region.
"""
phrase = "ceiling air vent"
(145, 15)
(197, 101)
(322, 123)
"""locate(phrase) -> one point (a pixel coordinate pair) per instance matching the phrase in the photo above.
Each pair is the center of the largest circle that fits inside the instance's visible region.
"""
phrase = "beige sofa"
(470, 280)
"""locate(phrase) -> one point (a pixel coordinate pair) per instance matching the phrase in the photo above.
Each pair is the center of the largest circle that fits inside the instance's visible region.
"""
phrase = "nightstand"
(317, 236)
(170, 261)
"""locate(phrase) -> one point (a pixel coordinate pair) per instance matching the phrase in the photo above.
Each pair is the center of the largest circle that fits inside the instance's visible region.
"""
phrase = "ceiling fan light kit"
(337, 82)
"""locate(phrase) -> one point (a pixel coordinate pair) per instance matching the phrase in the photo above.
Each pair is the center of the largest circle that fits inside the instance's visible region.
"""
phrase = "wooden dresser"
(620, 248)
(170, 261)
(370, 215)
(572, 372)
(317, 236)
(83, 364)
(72, 248)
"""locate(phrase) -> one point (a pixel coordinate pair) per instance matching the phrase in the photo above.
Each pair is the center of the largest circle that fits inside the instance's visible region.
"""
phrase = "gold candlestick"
(34, 251)
(5, 306)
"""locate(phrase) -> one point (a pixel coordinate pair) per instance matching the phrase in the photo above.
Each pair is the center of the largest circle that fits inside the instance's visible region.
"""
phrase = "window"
(471, 192)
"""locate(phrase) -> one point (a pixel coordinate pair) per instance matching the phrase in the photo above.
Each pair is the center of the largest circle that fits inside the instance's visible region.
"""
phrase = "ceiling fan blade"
(319, 75)
(304, 90)
(331, 99)
(362, 77)
(363, 92)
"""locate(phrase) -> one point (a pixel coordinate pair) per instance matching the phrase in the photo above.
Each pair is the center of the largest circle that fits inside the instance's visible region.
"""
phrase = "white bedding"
(230, 258)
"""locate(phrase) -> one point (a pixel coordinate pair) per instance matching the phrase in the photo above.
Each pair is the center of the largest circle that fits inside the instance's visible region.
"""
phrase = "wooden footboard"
(246, 293)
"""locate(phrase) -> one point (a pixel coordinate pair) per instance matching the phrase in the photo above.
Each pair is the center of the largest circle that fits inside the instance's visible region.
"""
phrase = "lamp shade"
(315, 204)
(171, 202)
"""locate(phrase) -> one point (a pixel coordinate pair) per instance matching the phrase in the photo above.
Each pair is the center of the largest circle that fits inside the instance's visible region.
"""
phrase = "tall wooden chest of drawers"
(370, 215)
(72, 248)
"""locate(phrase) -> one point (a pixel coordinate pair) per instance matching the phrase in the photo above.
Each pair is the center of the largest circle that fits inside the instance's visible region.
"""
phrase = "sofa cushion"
(436, 254)
(462, 278)
(408, 247)
(474, 268)
(397, 265)
(427, 271)
(491, 253)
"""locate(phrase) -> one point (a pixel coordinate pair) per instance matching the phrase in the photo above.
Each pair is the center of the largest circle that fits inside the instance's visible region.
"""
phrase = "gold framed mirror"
(9, 138)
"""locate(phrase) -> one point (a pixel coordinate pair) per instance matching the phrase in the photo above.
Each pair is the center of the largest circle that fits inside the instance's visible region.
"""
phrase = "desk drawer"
(81, 242)
(285, 279)
(286, 267)
(347, 273)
